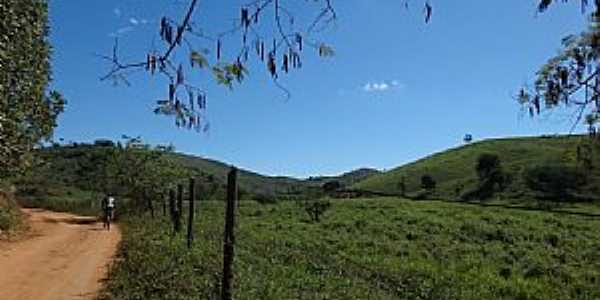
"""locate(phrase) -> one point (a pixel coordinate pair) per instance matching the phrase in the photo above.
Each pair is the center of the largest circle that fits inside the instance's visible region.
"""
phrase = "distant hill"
(70, 167)
(346, 179)
(455, 168)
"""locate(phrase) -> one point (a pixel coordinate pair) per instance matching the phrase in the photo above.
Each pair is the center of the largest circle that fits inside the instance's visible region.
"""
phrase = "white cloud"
(117, 12)
(382, 86)
(121, 31)
(134, 21)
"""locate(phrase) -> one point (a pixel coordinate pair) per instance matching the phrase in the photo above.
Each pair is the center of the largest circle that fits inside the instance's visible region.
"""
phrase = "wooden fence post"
(229, 239)
(190, 229)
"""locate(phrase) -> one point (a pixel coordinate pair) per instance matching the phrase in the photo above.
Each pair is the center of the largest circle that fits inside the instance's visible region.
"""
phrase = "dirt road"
(65, 257)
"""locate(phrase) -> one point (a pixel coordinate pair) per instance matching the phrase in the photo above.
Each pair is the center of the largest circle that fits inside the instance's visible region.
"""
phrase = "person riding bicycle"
(108, 207)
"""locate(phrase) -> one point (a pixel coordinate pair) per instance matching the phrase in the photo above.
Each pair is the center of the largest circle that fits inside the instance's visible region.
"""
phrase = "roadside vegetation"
(384, 248)
(10, 216)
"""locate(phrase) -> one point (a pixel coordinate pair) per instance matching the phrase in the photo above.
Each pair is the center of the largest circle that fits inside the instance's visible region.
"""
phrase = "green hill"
(73, 169)
(345, 179)
(454, 169)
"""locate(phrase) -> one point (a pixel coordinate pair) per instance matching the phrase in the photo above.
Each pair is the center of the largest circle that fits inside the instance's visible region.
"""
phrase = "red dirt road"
(65, 257)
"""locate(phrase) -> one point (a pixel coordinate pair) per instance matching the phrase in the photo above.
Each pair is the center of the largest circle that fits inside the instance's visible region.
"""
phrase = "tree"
(490, 174)
(488, 166)
(280, 52)
(556, 181)
(137, 169)
(331, 186)
(428, 183)
(28, 112)
(571, 79)
(402, 186)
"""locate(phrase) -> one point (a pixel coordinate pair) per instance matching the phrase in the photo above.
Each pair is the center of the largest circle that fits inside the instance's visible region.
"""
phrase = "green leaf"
(197, 59)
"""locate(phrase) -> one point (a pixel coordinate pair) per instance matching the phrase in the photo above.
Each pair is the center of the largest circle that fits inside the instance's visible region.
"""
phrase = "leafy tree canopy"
(28, 112)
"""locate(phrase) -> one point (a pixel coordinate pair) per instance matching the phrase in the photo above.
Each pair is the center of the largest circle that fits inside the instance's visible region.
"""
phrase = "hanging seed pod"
(271, 65)
(244, 38)
(153, 64)
(148, 62)
(299, 41)
(262, 51)
(179, 35)
(256, 17)
(246, 55)
(274, 47)
(177, 106)
(564, 77)
(163, 27)
(169, 34)
(536, 103)
(171, 92)
(244, 18)
(218, 49)
(191, 99)
(199, 101)
(285, 63)
(180, 78)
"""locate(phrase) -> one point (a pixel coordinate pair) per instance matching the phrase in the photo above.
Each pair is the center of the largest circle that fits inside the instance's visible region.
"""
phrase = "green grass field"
(383, 248)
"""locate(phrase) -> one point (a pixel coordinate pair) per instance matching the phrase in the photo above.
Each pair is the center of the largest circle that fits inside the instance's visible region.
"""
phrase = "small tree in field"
(402, 186)
(428, 183)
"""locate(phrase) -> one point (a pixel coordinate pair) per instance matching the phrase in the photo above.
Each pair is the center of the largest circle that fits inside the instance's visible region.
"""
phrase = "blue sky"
(395, 91)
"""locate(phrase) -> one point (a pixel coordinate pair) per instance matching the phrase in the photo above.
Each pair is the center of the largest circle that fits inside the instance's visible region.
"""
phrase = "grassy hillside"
(346, 179)
(73, 171)
(249, 180)
(455, 168)
(366, 249)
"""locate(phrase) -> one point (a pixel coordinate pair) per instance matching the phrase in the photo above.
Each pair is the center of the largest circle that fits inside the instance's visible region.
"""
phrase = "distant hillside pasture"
(454, 169)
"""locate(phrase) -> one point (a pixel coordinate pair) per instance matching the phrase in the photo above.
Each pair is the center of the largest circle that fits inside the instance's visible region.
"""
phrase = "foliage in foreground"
(27, 112)
(366, 249)
(10, 218)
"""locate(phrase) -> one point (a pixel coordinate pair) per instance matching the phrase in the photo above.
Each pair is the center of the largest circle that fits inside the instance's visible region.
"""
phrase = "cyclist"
(108, 207)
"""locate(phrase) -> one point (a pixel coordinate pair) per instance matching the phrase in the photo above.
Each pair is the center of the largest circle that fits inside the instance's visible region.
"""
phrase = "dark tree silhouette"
(428, 183)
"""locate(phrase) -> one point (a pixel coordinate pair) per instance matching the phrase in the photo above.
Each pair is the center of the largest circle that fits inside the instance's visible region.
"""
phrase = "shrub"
(265, 198)
(491, 177)
(556, 181)
(331, 186)
(315, 209)
(427, 182)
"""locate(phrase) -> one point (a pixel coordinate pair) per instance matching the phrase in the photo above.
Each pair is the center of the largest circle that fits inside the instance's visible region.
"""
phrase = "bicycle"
(108, 217)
